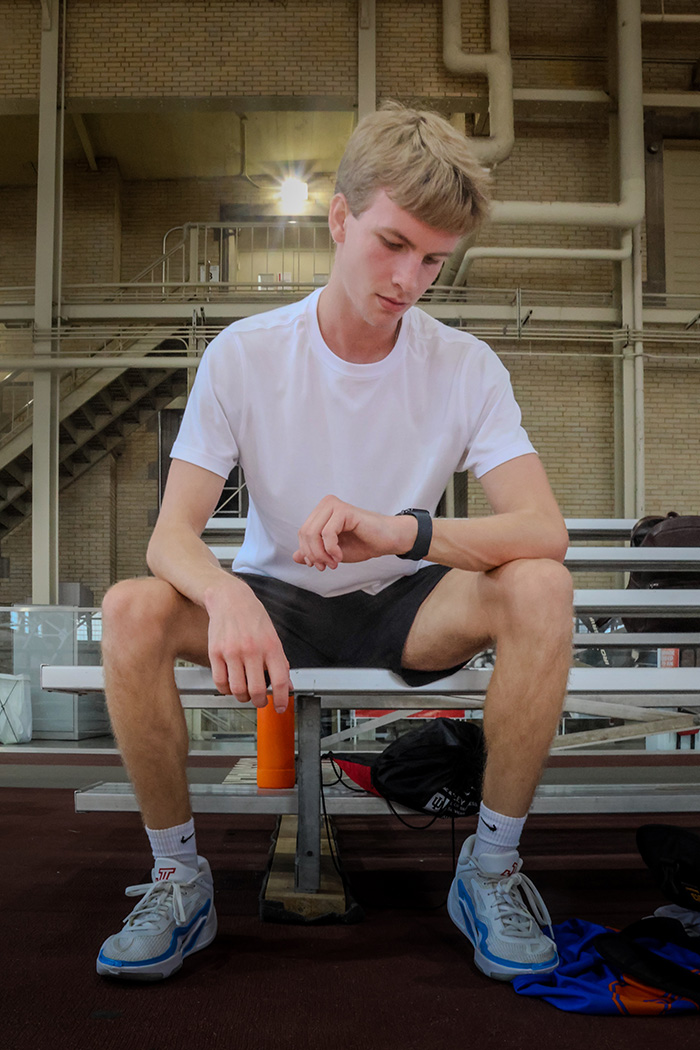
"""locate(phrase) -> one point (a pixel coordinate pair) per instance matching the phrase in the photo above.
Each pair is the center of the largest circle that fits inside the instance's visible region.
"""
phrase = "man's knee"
(537, 592)
(138, 611)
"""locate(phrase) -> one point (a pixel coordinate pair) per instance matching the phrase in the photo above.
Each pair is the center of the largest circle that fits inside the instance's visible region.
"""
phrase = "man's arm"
(526, 523)
(243, 643)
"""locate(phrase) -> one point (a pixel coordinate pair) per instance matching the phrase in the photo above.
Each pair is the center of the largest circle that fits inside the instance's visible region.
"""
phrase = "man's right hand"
(243, 645)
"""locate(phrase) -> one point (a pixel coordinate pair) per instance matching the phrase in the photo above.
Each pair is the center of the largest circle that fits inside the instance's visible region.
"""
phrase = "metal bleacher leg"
(308, 857)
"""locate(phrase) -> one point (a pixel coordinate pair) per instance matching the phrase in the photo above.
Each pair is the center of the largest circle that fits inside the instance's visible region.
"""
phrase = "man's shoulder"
(434, 334)
(280, 317)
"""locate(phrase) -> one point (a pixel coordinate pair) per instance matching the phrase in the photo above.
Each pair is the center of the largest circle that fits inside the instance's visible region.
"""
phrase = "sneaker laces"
(158, 900)
(516, 914)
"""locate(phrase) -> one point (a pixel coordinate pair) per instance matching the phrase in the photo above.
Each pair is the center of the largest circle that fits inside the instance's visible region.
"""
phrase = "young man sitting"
(349, 412)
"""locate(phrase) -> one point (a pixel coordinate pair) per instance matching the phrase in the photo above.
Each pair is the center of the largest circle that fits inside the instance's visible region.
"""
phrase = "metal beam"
(85, 141)
(45, 408)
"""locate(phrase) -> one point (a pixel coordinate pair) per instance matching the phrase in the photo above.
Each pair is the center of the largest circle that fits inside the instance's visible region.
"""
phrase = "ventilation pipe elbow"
(495, 65)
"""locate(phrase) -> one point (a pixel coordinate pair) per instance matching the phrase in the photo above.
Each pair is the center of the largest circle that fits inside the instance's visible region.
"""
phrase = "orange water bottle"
(276, 767)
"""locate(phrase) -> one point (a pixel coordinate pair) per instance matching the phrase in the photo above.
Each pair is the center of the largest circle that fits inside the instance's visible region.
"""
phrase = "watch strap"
(424, 535)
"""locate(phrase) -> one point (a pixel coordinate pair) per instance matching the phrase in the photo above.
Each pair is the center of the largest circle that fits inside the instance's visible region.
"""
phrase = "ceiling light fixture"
(294, 194)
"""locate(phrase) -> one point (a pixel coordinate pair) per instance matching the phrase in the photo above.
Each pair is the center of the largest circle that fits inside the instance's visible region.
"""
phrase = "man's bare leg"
(146, 625)
(526, 608)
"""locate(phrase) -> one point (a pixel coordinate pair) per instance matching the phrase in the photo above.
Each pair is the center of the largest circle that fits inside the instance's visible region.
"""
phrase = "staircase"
(98, 410)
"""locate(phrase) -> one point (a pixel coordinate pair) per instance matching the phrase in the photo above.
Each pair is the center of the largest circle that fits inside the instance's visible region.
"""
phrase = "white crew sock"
(496, 833)
(178, 843)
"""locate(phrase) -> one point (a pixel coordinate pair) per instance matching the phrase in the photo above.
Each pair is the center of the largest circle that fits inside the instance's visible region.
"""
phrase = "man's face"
(386, 258)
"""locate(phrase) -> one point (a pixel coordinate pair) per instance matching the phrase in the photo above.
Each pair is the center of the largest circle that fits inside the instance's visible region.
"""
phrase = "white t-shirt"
(303, 424)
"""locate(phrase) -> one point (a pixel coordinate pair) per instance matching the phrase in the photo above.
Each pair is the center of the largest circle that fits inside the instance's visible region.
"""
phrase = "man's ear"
(338, 213)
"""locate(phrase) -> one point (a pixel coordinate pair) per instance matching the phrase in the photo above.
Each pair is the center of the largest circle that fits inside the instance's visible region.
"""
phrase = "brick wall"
(672, 424)
(567, 404)
(18, 233)
(92, 223)
(86, 539)
(20, 45)
(213, 48)
(136, 501)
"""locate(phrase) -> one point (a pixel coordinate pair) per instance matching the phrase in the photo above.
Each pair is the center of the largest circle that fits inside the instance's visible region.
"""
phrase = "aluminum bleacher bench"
(639, 694)
(319, 688)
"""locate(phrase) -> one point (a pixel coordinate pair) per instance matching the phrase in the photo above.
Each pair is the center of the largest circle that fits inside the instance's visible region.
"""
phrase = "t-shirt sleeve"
(496, 431)
(206, 436)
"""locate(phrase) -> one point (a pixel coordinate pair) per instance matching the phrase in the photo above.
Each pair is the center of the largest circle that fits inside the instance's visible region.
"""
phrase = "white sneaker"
(174, 918)
(501, 913)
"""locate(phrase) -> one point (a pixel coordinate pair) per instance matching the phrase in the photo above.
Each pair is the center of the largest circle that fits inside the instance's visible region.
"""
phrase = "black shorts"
(350, 630)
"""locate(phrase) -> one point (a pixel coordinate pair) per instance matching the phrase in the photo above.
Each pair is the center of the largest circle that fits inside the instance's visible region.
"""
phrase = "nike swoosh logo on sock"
(491, 827)
(183, 839)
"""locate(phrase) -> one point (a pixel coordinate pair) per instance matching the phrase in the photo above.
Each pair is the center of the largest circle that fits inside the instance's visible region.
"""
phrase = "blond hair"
(422, 162)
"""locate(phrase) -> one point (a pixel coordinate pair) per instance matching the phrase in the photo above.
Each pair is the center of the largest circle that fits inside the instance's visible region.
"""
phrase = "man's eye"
(394, 245)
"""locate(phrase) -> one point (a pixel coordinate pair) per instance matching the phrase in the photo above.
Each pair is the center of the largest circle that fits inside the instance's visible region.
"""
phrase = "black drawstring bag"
(672, 855)
(436, 768)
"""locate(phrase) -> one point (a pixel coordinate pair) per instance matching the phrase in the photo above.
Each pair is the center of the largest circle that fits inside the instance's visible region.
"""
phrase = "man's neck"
(350, 338)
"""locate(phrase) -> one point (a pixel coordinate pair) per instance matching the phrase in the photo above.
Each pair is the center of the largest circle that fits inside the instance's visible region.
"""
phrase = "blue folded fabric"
(584, 983)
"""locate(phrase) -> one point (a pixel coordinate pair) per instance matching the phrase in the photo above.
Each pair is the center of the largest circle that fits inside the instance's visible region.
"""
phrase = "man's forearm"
(480, 544)
(176, 554)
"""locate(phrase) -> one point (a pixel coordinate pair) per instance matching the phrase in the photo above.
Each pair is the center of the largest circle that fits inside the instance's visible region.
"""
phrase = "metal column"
(366, 58)
(45, 408)
(631, 423)
(308, 857)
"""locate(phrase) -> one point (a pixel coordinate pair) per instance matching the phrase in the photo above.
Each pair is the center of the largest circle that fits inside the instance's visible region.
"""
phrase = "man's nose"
(407, 271)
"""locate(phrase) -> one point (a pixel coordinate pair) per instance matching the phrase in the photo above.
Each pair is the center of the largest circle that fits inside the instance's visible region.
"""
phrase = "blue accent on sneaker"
(180, 933)
(478, 934)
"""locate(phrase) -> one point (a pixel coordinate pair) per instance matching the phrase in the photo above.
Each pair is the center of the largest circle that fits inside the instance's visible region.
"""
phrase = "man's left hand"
(337, 532)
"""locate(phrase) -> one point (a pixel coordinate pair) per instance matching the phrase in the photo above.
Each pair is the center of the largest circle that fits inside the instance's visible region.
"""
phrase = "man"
(347, 411)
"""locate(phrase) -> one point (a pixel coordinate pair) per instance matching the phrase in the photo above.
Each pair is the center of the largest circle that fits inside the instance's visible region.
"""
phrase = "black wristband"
(424, 537)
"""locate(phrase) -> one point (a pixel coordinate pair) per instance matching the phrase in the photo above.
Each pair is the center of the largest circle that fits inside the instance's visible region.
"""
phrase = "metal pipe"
(638, 323)
(670, 18)
(495, 65)
(591, 254)
(630, 209)
(53, 364)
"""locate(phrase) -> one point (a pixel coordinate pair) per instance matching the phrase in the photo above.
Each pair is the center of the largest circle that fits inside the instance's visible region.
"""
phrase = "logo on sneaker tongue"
(510, 871)
(163, 874)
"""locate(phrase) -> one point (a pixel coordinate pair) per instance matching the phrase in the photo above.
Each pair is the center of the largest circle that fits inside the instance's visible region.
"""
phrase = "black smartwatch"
(424, 537)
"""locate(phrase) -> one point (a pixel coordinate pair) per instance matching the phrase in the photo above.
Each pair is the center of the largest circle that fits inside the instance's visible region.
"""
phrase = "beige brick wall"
(86, 538)
(203, 48)
(92, 224)
(672, 424)
(20, 45)
(670, 51)
(136, 499)
(18, 233)
(103, 523)
(567, 405)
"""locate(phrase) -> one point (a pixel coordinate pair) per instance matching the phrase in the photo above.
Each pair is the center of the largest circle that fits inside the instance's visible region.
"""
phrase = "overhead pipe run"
(630, 210)
(495, 65)
(670, 18)
(521, 252)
